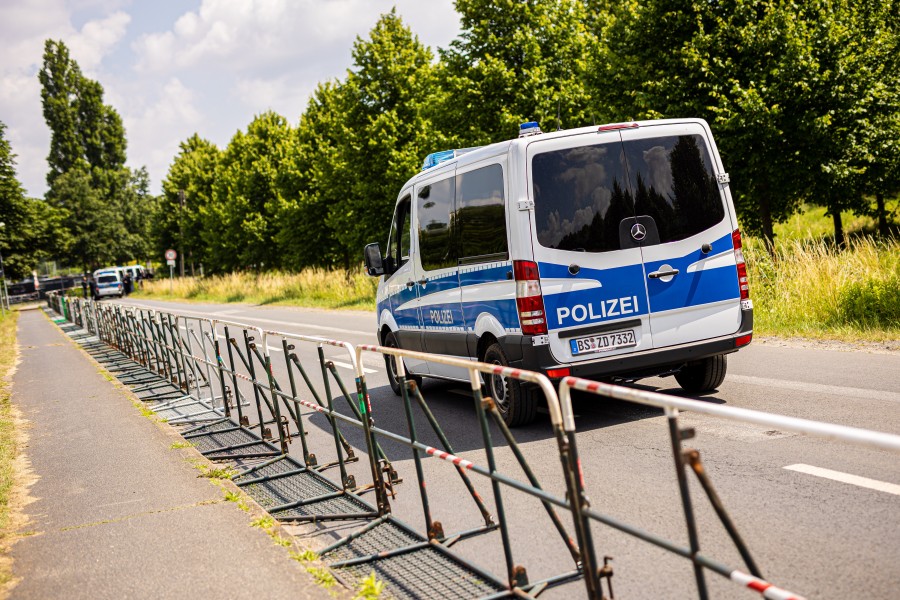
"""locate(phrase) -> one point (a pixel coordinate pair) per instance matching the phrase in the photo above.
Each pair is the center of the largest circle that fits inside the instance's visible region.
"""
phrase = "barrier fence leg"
(229, 342)
(347, 481)
(365, 406)
(434, 528)
(348, 449)
(693, 459)
(358, 412)
(551, 512)
(675, 433)
(263, 430)
(571, 464)
(309, 460)
(516, 575)
(485, 513)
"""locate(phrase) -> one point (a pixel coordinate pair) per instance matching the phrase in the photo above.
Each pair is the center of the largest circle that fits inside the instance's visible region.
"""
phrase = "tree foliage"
(31, 228)
(106, 208)
(802, 99)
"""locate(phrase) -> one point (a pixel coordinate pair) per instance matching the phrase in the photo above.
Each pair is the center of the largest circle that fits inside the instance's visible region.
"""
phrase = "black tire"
(703, 375)
(390, 341)
(517, 403)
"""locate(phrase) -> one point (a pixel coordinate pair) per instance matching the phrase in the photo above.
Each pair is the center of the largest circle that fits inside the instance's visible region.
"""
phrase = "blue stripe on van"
(622, 293)
(693, 289)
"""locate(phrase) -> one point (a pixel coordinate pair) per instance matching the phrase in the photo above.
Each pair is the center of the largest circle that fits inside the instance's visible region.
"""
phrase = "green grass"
(809, 288)
(8, 440)
(314, 288)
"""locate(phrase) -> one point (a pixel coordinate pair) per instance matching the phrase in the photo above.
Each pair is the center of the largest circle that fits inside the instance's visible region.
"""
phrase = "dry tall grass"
(809, 288)
(311, 287)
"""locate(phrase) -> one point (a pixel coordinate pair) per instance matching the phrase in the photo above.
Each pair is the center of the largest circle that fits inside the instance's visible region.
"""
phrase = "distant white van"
(108, 283)
(608, 252)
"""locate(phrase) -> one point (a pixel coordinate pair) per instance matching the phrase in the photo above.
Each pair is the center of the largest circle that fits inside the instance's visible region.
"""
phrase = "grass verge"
(314, 288)
(8, 440)
(810, 289)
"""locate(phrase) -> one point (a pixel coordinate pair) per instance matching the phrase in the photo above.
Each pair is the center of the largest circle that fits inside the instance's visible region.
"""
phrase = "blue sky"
(175, 68)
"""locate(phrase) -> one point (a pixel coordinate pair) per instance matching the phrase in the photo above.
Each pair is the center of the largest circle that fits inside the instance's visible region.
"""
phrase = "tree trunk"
(839, 240)
(765, 216)
(882, 218)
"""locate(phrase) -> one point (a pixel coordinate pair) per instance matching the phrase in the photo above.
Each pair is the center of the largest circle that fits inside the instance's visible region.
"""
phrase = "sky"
(173, 68)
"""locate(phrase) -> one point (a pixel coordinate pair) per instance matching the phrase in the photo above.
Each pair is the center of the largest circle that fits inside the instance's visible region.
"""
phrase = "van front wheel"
(516, 402)
(703, 375)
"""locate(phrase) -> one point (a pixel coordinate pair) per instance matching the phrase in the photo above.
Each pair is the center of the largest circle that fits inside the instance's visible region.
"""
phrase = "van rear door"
(687, 251)
(592, 274)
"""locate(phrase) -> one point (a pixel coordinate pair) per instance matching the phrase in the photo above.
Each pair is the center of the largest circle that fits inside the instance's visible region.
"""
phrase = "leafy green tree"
(248, 195)
(95, 226)
(106, 207)
(791, 90)
(193, 171)
(385, 133)
(305, 236)
(514, 61)
(81, 126)
(31, 230)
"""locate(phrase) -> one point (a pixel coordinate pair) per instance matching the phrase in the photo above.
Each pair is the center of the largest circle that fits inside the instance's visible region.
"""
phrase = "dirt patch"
(885, 347)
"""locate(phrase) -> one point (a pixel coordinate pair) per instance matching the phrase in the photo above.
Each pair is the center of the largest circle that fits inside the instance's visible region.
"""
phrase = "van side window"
(675, 184)
(480, 219)
(435, 204)
(398, 239)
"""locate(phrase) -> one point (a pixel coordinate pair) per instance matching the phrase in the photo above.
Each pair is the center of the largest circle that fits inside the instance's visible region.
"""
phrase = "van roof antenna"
(558, 119)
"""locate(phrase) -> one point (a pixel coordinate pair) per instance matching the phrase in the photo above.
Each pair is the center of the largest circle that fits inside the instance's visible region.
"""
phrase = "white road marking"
(252, 320)
(819, 388)
(349, 367)
(865, 482)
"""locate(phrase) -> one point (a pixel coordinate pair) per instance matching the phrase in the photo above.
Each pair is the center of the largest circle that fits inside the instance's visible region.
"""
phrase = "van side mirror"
(372, 257)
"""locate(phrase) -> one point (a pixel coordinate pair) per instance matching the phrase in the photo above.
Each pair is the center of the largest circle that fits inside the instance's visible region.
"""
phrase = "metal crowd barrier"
(216, 379)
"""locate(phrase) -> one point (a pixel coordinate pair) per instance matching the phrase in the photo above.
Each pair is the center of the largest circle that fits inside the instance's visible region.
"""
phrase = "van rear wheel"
(703, 375)
(516, 402)
(390, 364)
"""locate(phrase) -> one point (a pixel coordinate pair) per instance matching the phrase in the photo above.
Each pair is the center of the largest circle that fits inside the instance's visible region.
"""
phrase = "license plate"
(603, 342)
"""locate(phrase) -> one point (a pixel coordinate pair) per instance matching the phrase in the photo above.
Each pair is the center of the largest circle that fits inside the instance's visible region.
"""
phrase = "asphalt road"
(811, 528)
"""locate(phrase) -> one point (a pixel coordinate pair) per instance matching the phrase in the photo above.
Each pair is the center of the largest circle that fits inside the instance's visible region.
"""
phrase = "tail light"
(741, 265)
(529, 298)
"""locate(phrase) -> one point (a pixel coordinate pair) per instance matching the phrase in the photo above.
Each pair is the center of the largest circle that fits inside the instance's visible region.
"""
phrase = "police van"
(108, 283)
(608, 252)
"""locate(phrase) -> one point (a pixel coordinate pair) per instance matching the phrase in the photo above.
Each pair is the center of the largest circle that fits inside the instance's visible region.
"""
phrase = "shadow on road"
(453, 408)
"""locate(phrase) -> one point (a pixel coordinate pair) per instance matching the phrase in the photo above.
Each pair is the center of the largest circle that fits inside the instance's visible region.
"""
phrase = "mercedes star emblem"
(638, 232)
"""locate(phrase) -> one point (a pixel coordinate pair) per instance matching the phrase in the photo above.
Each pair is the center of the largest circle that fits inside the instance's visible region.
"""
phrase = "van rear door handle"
(658, 274)
(410, 283)
(422, 281)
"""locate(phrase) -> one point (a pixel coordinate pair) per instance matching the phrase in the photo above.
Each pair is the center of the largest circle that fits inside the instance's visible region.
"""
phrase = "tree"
(385, 134)
(248, 195)
(81, 126)
(194, 172)
(305, 235)
(105, 205)
(515, 61)
(789, 89)
(31, 227)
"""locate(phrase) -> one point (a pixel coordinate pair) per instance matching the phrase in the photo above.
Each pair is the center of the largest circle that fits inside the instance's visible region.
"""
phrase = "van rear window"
(107, 279)
(582, 194)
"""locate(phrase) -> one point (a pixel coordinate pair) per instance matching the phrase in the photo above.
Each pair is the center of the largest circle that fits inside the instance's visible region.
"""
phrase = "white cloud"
(90, 45)
(24, 26)
(155, 129)
(207, 69)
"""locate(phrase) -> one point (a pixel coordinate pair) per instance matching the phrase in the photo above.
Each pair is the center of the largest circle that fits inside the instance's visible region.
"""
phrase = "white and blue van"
(608, 252)
(108, 283)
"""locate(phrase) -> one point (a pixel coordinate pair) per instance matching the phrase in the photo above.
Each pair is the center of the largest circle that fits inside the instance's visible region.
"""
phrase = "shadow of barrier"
(216, 381)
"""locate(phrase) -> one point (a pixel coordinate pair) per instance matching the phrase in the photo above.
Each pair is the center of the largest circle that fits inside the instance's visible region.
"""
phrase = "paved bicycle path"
(116, 512)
